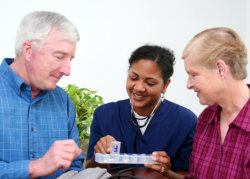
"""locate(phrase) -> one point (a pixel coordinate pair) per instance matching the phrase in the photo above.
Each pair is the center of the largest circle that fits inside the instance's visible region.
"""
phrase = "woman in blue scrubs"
(146, 122)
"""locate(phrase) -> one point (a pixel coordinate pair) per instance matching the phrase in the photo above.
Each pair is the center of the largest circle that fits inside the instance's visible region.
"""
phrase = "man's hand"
(104, 144)
(60, 156)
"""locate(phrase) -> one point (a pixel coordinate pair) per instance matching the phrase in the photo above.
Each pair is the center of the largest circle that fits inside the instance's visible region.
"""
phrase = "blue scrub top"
(171, 130)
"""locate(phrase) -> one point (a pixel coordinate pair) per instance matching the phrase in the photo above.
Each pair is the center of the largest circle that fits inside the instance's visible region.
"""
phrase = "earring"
(162, 97)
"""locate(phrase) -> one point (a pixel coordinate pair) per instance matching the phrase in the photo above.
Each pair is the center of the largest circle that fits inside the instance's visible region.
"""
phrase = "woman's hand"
(164, 160)
(104, 144)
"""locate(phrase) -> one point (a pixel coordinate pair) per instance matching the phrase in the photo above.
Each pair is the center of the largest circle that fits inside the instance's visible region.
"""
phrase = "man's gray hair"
(36, 26)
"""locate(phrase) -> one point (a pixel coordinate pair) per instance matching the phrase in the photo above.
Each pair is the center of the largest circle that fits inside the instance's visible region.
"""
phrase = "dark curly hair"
(164, 57)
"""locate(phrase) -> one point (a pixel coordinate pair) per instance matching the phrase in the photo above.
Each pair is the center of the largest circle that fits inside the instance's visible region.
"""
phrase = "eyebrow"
(63, 53)
(134, 73)
(150, 78)
(147, 78)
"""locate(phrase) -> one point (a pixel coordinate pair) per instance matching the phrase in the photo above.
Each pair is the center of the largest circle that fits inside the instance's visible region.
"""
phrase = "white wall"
(110, 30)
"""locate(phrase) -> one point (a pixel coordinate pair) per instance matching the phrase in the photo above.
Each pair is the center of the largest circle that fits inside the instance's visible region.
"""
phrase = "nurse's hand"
(164, 160)
(104, 144)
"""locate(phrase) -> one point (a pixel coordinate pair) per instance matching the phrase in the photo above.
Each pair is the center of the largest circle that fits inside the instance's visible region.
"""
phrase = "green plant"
(85, 101)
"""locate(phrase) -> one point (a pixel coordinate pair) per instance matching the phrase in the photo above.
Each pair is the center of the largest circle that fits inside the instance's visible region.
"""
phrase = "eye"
(193, 75)
(133, 78)
(150, 84)
(59, 56)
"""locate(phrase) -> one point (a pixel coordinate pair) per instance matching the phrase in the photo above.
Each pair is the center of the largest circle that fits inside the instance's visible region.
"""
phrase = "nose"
(189, 84)
(140, 87)
(65, 68)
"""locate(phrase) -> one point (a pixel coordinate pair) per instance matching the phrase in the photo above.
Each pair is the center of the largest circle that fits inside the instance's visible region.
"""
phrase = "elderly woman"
(146, 122)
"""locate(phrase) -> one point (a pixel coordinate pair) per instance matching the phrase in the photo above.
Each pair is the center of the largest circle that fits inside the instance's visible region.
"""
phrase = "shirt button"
(33, 156)
(32, 129)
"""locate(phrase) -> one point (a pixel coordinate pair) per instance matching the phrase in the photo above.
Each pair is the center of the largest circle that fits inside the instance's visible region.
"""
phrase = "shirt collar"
(215, 113)
(7, 73)
(243, 118)
(14, 80)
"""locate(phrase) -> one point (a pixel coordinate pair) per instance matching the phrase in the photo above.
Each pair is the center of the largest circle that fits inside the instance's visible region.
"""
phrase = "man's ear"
(27, 50)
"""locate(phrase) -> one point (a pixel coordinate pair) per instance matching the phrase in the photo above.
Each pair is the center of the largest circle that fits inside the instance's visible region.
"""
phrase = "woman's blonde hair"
(222, 43)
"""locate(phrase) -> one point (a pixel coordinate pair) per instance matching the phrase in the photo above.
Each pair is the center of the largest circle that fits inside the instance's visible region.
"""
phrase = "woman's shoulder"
(113, 110)
(117, 105)
(177, 110)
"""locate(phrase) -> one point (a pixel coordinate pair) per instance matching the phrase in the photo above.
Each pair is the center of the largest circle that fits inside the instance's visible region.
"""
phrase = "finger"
(56, 159)
(161, 159)
(74, 151)
(148, 165)
(69, 156)
(66, 142)
(102, 145)
(109, 140)
(66, 146)
(99, 148)
(65, 164)
(160, 153)
(153, 166)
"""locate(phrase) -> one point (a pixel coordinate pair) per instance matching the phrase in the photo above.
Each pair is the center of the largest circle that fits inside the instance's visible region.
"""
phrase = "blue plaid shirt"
(28, 127)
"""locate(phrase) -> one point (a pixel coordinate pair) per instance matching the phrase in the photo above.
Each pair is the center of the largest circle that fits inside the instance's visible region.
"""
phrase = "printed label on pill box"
(115, 147)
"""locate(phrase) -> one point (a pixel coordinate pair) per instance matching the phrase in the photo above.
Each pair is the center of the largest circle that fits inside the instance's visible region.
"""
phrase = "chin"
(202, 102)
(51, 87)
(136, 104)
(206, 103)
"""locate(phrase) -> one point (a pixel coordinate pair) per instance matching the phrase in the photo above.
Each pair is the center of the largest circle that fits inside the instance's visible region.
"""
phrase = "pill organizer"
(124, 158)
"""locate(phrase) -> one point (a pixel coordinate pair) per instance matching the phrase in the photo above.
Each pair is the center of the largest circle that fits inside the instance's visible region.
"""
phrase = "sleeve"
(183, 156)
(17, 169)
(200, 127)
(95, 134)
(188, 127)
(191, 173)
(77, 164)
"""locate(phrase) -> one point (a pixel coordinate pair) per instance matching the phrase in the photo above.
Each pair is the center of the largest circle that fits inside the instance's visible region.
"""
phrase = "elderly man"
(215, 61)
(38, 132)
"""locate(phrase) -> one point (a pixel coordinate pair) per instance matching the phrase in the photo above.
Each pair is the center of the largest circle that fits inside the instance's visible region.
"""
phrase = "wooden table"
(144, 173)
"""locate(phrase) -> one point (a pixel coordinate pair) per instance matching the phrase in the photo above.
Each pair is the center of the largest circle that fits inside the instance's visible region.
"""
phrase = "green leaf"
(85, 102)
